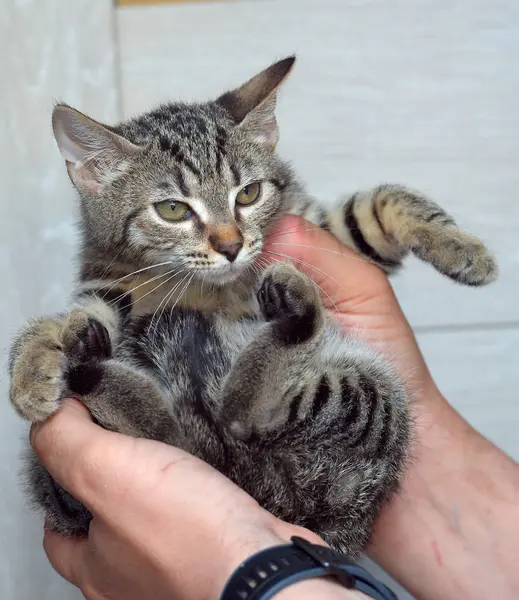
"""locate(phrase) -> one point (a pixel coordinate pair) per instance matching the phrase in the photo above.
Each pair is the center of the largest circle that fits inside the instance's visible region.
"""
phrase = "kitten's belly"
(189, 352)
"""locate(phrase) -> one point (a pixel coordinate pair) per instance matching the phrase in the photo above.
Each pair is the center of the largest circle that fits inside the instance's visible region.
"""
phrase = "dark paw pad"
(279, 301)
(92, 343)
(84, 379)
(288, 306)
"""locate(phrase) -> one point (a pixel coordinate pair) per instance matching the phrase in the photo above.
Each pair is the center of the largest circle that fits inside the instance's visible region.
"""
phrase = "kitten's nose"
(229, 249)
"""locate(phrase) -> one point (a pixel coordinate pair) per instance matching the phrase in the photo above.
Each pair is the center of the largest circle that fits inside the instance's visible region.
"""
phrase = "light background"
(422, 92)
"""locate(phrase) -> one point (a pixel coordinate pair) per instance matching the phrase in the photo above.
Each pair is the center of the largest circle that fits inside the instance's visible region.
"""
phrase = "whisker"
(346, 255)
(295, 228)
(130, 291)
(173, 275)
(164, 304)
(322, 290)
(202, 285)
(110, 264)
(315, 269)
(203, 304)
(114, 283)
(263, 264)
(256, 269)
(165, 299)
(176, 301)
(181, 294)
(303, 262)
(289, 230)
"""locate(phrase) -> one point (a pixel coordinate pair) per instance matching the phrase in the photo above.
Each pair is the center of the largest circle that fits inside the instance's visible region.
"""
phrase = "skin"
(452, 532)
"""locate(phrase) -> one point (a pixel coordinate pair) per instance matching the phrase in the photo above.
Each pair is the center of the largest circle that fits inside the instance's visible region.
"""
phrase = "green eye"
(173, 211)
(249, 194)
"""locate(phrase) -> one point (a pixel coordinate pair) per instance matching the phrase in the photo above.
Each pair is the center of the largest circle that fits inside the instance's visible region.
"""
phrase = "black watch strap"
(269, 571)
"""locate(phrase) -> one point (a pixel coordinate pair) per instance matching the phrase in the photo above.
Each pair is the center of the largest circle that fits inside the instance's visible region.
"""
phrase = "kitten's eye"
(173, 211)
(249, 194)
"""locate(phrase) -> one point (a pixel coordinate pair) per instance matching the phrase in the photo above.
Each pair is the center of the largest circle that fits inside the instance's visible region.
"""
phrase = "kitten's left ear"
(253, 104)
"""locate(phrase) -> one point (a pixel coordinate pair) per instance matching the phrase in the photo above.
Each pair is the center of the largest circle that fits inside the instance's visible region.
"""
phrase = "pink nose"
(229, 249)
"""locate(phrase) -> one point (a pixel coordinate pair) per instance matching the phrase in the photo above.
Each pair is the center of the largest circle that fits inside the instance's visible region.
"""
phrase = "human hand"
(187, 538)
(430, 536)
(183, 540)
(357, 293)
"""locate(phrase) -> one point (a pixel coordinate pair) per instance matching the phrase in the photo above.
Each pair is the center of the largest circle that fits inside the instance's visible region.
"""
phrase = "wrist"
(318, 588)
(457, 503)
(261, 532)
(329, 584)
(268, 533)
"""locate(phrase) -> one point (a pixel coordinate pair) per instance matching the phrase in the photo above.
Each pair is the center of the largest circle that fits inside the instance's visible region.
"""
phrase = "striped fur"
(171, 340)
(316, 428)
(386, 223)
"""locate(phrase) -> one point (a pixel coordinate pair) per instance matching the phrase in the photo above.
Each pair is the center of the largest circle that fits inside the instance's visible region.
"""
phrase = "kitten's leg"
(62, 512)
(38, 353)
(387, 222)
(261, 392)
(335, 416)
(119, 398)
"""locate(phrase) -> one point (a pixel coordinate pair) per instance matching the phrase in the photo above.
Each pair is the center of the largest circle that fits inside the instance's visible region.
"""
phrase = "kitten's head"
(192, 185)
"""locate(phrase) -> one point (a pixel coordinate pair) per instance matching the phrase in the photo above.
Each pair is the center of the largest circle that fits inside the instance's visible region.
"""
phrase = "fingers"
(66, 555)
(346, 278)
(99, 467)
(74, 450)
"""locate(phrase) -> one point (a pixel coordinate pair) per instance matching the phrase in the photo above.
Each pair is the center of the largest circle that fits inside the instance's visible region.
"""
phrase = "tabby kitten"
(179, 334)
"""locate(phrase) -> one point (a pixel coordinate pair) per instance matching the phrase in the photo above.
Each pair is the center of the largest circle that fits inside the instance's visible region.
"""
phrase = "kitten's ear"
(253, 104)
(94, 155)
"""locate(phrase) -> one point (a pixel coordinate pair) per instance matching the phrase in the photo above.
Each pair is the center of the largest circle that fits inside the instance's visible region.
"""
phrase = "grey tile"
(50, 50)
(477, 372)
(420, 92)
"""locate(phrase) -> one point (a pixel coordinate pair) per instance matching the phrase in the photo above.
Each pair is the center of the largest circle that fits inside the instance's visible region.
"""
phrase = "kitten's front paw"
(35, 366)
(44, 351)
(460, 256)
(291, 300)
(85, 338)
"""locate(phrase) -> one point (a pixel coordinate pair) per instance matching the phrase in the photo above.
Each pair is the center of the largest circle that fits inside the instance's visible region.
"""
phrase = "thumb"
(348, 281)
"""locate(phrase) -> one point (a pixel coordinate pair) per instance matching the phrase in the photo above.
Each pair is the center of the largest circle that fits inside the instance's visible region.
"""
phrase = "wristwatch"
(269, 571)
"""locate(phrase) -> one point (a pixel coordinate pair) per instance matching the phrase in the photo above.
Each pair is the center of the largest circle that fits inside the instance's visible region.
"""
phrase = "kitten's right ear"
(94, 155)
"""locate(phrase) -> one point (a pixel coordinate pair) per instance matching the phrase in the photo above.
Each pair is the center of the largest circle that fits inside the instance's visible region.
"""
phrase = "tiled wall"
(416, 91)
(421, 92)
(49, 50)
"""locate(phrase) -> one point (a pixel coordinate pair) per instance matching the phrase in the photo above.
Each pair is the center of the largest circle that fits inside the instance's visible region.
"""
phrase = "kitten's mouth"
(227, 273)
(223, 274)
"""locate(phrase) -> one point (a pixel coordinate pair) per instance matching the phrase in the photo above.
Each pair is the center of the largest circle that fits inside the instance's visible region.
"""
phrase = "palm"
(356, 292)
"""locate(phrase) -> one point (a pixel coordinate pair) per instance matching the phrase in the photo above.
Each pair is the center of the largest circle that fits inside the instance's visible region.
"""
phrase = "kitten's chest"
(147, 297)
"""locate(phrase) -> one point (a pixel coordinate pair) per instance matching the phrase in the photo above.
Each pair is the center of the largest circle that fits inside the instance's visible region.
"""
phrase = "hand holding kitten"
(185, 538)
